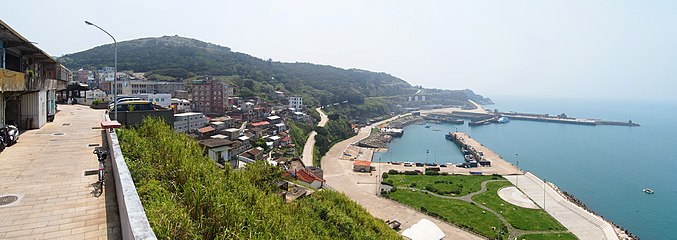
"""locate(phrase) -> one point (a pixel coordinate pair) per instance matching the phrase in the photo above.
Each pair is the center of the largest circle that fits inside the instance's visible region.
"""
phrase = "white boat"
(648, 191)
(503, 120)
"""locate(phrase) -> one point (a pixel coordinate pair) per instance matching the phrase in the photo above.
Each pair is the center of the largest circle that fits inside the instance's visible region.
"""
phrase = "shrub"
(384, 175)
(412, 184)
(393, 171)
(394, 189)
(410, 173)
(430, 188)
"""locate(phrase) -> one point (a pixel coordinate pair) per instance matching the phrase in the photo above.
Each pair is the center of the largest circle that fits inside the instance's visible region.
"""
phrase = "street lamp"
(517, 178)
(544, 193)
(115, 71)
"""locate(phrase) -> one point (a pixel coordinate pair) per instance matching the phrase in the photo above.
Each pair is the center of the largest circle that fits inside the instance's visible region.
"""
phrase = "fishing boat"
(427, 126)
(503, 120)
(648, 191)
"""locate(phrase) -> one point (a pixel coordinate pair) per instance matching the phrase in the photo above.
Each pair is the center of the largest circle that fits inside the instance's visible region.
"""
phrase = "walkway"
(46, 170)
(580, 222)
(307, 157)
(361, 187)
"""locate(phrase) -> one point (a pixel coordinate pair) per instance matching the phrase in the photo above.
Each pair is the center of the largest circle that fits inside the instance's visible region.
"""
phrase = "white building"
(180, 105)
(184, 122)
(296, 103)
(160, 99)
(106, 74)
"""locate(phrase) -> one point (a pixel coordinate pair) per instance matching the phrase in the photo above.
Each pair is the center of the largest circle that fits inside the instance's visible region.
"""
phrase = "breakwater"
(473, 157)
(478, 119)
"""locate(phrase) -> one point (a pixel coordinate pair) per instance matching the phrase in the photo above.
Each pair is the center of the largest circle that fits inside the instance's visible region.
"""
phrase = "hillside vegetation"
(176, 58)
(186, 196)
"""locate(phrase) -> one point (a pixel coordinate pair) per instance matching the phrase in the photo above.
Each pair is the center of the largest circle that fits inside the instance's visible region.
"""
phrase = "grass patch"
(520, 218)
(460, 213)
(564, 236)
(449, 185)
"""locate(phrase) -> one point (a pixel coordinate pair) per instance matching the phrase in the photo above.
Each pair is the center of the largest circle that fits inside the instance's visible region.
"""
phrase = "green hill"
(181, 58)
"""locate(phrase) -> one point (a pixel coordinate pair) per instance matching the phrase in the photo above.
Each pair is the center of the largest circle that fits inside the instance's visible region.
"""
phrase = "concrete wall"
(133, 221)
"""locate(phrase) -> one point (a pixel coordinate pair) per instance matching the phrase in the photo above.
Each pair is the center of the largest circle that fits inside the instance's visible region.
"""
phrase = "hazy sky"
(612, 49)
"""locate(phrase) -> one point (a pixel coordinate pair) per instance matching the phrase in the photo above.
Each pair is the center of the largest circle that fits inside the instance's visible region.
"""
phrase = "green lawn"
(564, 236)
(449, 185)
(458, 212)
(520, 218)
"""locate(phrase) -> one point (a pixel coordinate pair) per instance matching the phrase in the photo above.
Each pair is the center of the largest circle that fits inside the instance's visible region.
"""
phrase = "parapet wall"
(133, 221)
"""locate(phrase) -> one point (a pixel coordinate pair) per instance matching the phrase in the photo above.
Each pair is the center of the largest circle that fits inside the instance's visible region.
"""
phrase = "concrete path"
(580, 222)
(513, 196)
(307, 157)
(362, 188)
(46, 169)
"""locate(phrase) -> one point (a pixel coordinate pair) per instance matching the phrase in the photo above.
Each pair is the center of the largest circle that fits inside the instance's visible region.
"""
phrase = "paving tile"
(57, 198)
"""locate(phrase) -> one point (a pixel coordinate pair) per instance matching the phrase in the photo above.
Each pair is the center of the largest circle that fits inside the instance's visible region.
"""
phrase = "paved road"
(46, 166)
(580, 222)
(307, 157)
(361, 188)
(308, 149)
(323, 118)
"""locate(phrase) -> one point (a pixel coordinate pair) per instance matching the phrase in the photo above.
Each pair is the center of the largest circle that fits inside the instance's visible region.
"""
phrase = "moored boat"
(648, 191)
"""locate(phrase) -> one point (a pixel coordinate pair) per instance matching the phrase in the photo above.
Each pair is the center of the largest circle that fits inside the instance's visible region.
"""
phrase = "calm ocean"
(604, 166)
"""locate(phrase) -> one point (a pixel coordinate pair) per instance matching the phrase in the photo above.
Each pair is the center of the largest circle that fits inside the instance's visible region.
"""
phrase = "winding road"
(308, 148)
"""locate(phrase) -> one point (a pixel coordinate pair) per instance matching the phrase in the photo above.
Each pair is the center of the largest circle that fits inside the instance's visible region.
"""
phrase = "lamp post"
(115, 71)
(517, 178)
(544, 193)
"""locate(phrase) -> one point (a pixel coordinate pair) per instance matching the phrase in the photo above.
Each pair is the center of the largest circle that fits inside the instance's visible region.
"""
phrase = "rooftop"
(206, 129)
(307, 176)
(258, 124)
(214, 142)
(362, 163)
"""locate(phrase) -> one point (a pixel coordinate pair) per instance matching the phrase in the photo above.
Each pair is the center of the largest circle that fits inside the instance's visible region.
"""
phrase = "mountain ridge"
(178, 58)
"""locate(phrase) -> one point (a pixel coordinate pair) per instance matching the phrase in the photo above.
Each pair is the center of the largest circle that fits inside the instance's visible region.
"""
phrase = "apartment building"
(210, 96)
(296, 103)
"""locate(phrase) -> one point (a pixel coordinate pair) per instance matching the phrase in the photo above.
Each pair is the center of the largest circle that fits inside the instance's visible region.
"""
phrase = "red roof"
(306, 176)
(206, 129)
(257, 124)
(362, 163)
(286, 139)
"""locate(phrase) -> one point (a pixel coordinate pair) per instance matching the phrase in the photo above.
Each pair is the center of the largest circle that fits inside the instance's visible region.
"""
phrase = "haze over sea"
(604, 166)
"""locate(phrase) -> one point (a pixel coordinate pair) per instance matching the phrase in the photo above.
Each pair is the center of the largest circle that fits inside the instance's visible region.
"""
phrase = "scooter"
(9, 135)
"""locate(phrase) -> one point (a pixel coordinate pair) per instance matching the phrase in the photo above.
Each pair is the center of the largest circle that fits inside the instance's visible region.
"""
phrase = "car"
(418, 164)
(407, 164)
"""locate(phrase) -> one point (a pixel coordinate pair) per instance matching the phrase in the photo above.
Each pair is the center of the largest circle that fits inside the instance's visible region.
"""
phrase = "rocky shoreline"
(622, 233)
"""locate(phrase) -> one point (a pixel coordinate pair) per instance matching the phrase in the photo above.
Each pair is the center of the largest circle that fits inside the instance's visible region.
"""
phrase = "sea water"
(606, 167)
